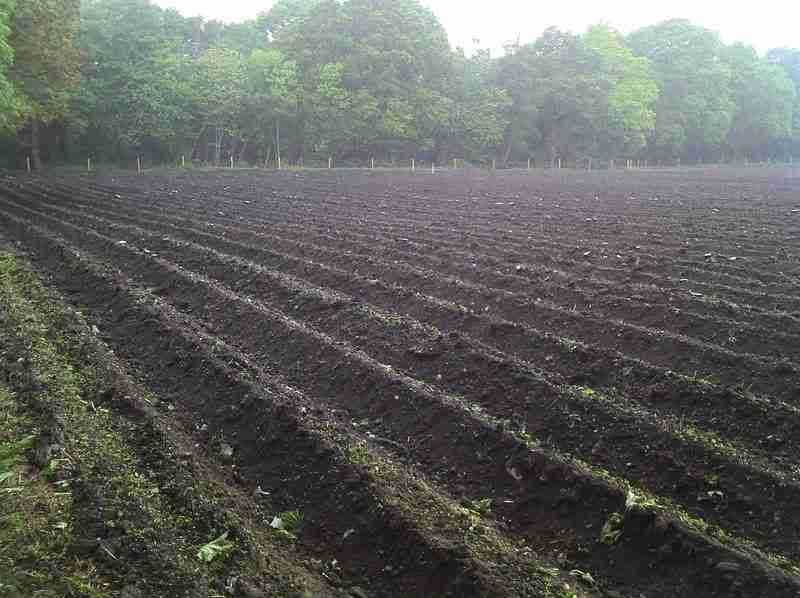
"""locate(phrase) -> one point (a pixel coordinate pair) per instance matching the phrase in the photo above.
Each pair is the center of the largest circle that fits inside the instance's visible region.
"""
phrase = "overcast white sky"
(764, 24)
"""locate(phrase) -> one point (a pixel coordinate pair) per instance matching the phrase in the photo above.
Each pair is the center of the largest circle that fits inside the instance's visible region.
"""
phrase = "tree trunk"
(193, 155)
(508, 144)
(220, 135)
(36, 157)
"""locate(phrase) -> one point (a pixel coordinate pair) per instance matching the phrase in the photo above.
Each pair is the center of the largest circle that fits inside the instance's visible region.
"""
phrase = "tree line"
(350, 80)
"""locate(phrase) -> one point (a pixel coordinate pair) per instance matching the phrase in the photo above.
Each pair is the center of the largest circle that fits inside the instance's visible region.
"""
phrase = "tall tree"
(393, 58)
(765, 98)
(696, 105)
(560, 95)
(9, 104)
(789, 60)
(631, 101)
(136, 95)
(269, 100)
(479, 110)
(46, 63)
(219, 88)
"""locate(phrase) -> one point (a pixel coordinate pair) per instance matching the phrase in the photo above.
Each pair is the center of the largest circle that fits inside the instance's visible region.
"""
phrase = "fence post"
(28, 160)
(433, 167)
(494, 164)
(413, 165)
(138, 165)
(330, 162)
(559, 163)
(89, 164)
(372, 162)
(183, 161)
(529, 163)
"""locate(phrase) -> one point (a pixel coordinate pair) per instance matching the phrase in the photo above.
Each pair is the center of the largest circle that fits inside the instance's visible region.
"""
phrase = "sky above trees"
(764, 25)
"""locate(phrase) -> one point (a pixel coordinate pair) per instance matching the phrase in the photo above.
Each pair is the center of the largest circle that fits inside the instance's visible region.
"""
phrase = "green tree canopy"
(695, 108)
(353, 79)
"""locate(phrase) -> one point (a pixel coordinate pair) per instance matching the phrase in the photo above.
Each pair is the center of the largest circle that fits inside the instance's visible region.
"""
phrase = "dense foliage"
(355, 79)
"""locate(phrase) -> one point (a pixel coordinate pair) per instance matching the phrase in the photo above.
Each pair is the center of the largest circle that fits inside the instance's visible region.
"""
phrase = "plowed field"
(469, 384)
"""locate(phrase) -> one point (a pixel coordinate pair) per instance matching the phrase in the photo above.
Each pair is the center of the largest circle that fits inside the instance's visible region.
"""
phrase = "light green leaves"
(216, 548)
(288, 523)
(612, 529)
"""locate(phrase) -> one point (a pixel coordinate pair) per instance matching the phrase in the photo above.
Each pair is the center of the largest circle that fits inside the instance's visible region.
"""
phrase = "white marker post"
(372, 163)
(138, 165)
(413, 165)
(89, 164)
(183, 161)
(28, 160)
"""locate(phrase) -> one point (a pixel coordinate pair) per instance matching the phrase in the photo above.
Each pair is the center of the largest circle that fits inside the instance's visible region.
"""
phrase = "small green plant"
(216, 548)
(612, 529)
(568, 344)
(481, 506)
(357, 452)
(288, 523)
(10, 455)
(583, 576)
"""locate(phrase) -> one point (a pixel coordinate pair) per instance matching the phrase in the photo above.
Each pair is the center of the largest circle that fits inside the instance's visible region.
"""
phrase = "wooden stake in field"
(89, 164)
(138, 165)
(330, 162)
(183, 161)
(529, 163)
(494, 163)
(372, 163)
(413, 165)
(28, 160)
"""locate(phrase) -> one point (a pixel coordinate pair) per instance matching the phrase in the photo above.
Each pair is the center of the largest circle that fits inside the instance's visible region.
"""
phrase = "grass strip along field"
(389, 385)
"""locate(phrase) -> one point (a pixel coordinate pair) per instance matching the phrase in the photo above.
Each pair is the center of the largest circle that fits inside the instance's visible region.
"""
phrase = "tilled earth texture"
(461, 384)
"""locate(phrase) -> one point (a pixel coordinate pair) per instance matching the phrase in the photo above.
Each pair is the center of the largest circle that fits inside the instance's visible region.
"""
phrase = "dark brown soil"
(381, 351)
